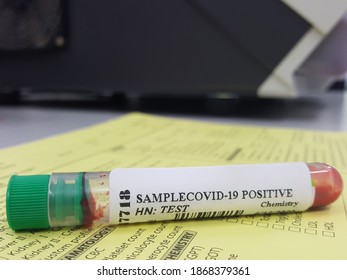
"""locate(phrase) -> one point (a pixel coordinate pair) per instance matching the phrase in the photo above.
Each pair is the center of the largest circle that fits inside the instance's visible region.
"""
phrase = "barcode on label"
(204, 215)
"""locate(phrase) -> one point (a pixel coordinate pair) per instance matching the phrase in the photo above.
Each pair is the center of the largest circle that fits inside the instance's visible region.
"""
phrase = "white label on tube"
(155, 194)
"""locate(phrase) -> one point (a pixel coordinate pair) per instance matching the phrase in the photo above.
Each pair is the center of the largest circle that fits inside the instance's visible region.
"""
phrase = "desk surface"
(21, 124)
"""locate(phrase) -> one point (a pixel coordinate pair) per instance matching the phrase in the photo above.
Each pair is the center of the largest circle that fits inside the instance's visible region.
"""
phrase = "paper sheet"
(139, 140)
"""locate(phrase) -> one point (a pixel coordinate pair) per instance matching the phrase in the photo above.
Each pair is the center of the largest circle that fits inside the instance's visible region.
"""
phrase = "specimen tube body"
(133, 195)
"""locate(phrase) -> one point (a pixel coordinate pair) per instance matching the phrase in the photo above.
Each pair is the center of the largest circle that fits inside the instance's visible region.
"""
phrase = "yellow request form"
(140, 140)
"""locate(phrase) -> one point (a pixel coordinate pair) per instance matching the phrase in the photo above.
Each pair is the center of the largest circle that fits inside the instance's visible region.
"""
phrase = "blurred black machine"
(267, 49)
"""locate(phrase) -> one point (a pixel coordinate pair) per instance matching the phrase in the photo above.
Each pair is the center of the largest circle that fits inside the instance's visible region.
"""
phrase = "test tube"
(133, 195)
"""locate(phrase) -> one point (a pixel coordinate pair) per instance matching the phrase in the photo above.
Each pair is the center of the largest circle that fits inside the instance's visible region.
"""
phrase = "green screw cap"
(26, 202)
